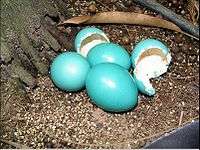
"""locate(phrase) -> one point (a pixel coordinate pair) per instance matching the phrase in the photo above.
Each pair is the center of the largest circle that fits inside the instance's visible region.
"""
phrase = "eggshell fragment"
(150, 59)
(87, 38)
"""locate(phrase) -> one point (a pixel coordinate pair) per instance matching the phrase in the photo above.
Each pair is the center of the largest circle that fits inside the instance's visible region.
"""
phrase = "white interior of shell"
(151, 66)
(91, 41)
(86, 48)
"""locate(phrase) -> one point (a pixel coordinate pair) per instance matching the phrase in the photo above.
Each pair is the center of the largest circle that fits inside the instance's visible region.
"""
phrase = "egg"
(111, 87)
(87, 38)
(69, 70)
(150, 58)
(109, 52)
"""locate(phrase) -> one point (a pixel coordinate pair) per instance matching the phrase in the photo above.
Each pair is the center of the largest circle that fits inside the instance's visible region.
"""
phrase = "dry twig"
(193, 8)
(16, 145)
(181, 118)
(184, 24)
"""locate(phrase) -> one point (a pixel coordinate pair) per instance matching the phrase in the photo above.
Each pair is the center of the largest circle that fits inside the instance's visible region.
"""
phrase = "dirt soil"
(56, 119)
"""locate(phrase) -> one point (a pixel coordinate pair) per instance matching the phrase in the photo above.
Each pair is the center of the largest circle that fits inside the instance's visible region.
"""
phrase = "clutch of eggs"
(108, 83)
(103, 68)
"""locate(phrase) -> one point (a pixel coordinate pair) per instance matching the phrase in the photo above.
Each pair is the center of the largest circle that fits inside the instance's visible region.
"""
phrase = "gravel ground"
(55, 119)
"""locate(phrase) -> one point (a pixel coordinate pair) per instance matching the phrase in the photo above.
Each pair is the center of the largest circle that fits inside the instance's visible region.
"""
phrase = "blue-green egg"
(111, 87)
(144, 45)
(109, 52)
(87, 38)
(69, 70)
(150, 58)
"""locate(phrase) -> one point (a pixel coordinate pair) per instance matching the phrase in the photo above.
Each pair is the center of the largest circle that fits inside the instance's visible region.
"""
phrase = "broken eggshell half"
(87, 38)
(150, 59)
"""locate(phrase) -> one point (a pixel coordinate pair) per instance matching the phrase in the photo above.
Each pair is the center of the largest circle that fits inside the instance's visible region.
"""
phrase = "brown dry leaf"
(193, 8)
(124, 18)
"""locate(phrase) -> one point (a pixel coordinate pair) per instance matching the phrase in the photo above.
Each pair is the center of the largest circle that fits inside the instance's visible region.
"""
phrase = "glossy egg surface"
(68, 71)
(109, 52)
(111, 87)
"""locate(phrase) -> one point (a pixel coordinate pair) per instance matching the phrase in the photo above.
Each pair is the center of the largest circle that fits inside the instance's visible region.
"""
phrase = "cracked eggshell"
(144, 85)
(145, 45)
(109, 52)
(87, 38)
(150, 59)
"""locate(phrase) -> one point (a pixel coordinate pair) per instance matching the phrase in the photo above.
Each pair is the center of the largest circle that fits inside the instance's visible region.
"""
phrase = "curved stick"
(184, 24)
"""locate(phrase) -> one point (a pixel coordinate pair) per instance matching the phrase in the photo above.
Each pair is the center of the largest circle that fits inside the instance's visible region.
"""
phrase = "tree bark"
(27, 46)
(24, 33)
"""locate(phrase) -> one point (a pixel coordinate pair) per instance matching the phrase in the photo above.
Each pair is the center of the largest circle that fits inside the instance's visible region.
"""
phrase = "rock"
(92, 8)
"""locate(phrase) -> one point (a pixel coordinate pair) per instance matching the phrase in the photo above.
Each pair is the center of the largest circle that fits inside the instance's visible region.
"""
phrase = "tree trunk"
(24, 35)
(27, 46)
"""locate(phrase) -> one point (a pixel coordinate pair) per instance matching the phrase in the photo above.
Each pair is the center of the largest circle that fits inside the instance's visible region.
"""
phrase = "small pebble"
(192, 58)
(197, 109)
(179, 57)
(138, 10)
(176, 49)
(178, 39)
(174, 1)
(125, 40)
(128, 3)
(185, 48)
(182, 12)
(49, 145)
(92, 8)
